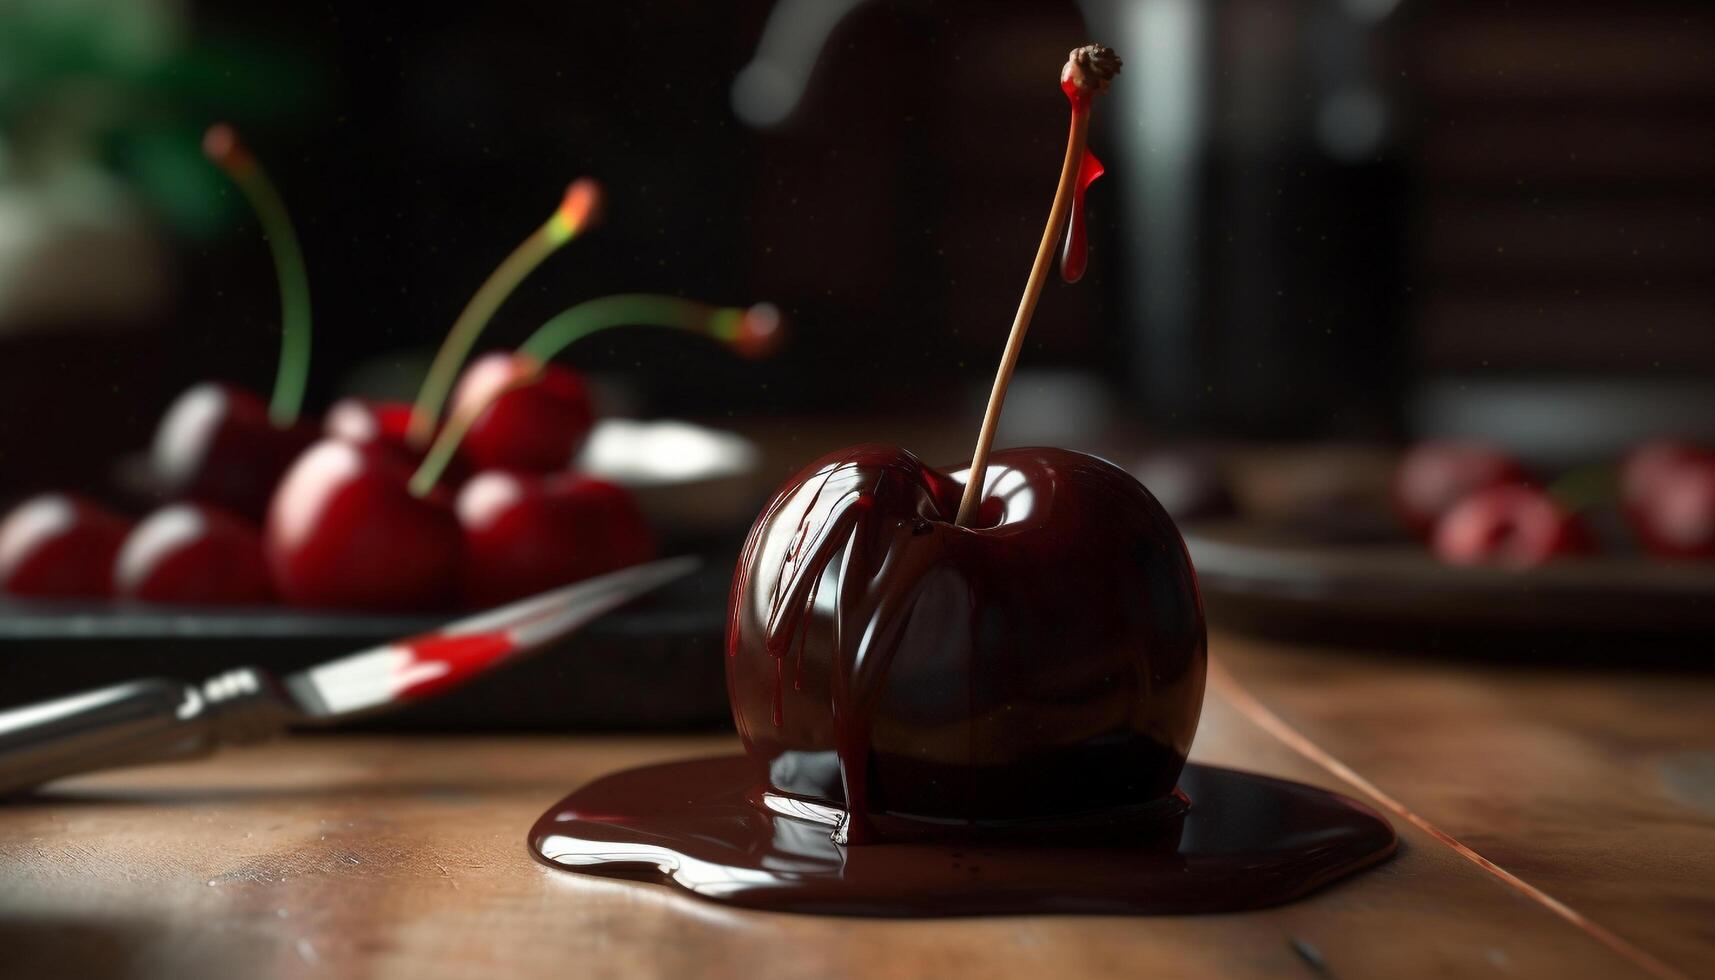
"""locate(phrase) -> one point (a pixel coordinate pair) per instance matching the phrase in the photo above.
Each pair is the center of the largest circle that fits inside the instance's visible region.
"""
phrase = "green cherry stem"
(751, 332)
(577, 211)
(748, 331)
(222, 145)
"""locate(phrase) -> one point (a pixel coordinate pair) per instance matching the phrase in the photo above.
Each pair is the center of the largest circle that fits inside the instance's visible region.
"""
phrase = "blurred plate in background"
(1270, 580)
(690, 480)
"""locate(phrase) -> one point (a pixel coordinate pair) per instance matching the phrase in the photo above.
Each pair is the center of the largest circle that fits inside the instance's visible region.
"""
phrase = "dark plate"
(1277, 581)
(654, 664)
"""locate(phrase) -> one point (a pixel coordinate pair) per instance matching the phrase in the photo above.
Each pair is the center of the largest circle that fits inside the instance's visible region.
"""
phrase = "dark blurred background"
(1323, 220)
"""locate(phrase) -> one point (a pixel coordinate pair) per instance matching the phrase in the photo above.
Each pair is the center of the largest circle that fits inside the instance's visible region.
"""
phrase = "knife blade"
(158, 719)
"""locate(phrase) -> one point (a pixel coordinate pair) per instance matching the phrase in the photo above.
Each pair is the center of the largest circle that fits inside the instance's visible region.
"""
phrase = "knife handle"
(151, 720)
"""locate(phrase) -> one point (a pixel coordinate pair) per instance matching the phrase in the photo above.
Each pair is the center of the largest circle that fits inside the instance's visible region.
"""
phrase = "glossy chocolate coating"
(1040, 671)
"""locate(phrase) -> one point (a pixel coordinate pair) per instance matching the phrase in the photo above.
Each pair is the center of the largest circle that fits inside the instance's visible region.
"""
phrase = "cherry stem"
(446, 445)
(222, 145)
(576, 212)
(748, 331)
(1075, 143)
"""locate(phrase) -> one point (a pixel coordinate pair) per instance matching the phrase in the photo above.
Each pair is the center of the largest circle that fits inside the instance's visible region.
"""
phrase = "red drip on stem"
(1075, 254)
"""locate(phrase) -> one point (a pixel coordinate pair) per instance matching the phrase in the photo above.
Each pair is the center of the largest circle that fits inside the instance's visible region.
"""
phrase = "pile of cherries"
(1476, 504)
(324, 517)
(385, 506)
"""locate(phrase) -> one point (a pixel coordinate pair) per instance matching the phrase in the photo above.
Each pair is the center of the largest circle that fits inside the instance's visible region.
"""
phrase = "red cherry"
(1676, 518)
(215, 444)
(1517, 525)
(343, 530)
(193, 554)
(537, 428)
(1434, 476)
(59, 545)
(525, 533)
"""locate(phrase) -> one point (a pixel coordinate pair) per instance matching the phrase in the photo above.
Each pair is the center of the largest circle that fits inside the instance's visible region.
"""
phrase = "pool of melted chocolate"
(1245, 841)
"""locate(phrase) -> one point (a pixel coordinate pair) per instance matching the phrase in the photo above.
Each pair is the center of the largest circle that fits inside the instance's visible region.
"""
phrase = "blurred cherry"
(1516, 526)
(525, 533)
(59, 545)
(193, 554)
(1644, 473)
(1435, 475)
(344, 530)
(537, 427)
(215, 444)
(1675, 518)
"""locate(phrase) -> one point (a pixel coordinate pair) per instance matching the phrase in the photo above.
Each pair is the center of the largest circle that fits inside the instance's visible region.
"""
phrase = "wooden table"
(391, 856)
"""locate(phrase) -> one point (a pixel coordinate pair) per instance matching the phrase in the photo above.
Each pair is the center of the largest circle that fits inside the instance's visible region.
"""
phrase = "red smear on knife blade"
(459, 657)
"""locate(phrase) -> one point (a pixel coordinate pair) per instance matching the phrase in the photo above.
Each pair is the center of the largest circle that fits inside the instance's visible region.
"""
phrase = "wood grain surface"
(404, 856)
(1596, 784)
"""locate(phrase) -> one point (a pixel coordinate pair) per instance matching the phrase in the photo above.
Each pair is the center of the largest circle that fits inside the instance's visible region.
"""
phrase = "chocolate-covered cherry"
(192, 554)
(1516, 526)
(216, 444)
(525, 533)
(59, 545)
(1433, 476)
(345, 530)
(537, 426)
(1043, 665)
